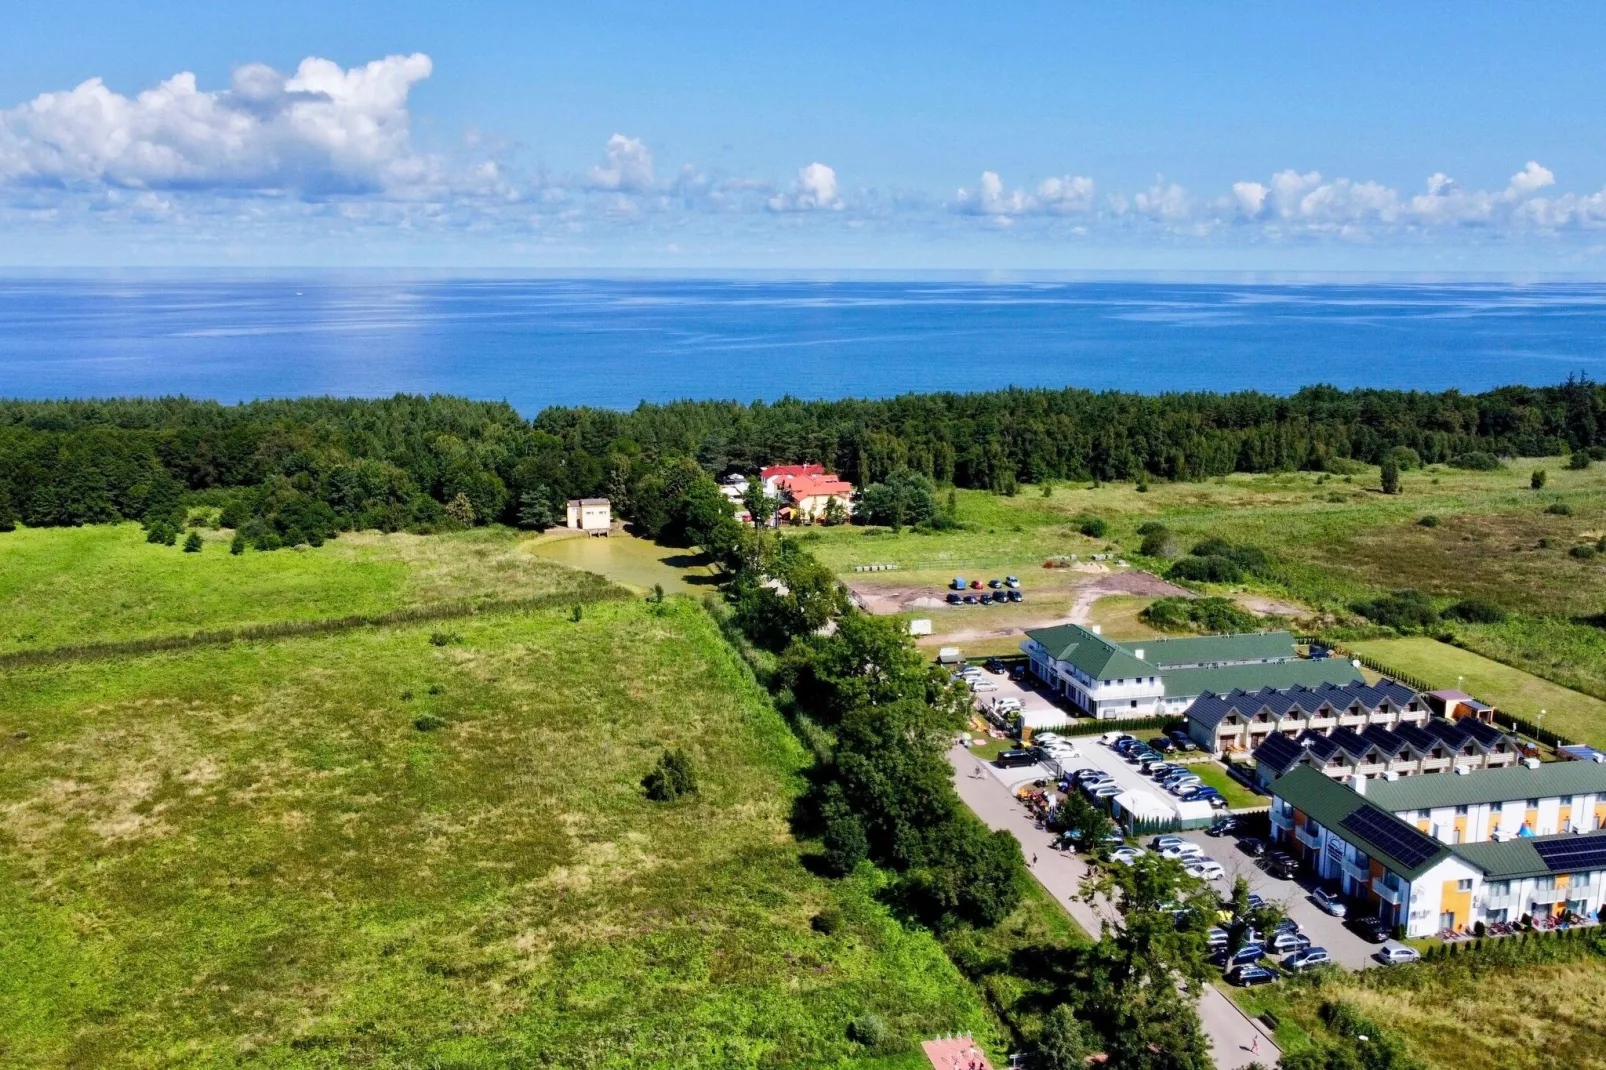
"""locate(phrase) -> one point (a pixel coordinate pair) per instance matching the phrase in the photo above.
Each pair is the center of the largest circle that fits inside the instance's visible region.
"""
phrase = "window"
(1533, 804)
(1499, 888)
(1569, 801)
(1464, 885)
(1134, 704)
(1461, 810)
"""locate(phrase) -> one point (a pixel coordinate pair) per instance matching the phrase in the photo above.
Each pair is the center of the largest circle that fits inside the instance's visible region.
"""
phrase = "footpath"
(1236, 1041)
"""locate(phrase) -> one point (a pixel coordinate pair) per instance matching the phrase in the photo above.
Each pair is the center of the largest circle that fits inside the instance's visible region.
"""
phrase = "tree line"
(310, 467)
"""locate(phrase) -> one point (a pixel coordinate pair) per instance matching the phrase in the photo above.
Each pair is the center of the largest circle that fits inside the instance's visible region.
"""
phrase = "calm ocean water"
(614, 342)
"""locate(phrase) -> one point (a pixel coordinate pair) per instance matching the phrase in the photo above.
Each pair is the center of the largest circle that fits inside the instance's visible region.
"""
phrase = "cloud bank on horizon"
(335, 147)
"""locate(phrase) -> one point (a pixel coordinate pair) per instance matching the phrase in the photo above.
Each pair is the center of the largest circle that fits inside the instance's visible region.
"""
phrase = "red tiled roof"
(808, 486)
(792, 470)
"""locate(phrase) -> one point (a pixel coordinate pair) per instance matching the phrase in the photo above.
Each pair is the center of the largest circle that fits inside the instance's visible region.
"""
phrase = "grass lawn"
(77, 585)
(1579, 716)
(1211, 773)
(254, 853)
(628, 560)
(1491, 1018)
(1117, 616)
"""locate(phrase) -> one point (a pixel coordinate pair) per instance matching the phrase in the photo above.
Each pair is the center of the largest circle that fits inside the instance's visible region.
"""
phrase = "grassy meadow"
(106, 583)
(368, 848)
(1533, 1017)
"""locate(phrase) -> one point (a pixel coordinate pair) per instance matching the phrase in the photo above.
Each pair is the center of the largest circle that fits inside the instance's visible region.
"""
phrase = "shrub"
(1429, 521)
(1477, 611)
(672, 778)
(428, 722)
(1405, 611)
(1537, 480)
(237, 545)
(192, 545)
(1579, 460)
(1211, 569)
(1343, 466)
(1559, 509)
(1583, 552)
(827, 921)
(444, 638)
(869, 1030)
(1404, 458)
(1150, 527)
(1391, 477)
(1475, 461)
(1093, 527)
(1200, 614)
(1159, 543)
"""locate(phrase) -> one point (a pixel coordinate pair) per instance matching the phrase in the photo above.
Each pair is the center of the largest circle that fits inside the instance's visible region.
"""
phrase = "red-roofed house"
(776, 476)
(808, 490)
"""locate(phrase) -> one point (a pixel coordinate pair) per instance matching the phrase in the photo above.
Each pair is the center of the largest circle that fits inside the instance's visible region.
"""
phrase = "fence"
(1501, 717)
(1157, 725)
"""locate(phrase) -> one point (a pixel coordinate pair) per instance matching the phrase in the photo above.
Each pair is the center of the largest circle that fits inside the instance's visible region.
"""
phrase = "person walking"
(1034, 859)
(1254, 1045)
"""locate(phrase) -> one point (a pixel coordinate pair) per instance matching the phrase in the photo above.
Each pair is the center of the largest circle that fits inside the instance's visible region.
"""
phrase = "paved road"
(1232, 1036)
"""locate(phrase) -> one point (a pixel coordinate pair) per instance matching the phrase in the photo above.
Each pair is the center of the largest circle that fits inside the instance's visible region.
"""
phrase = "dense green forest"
(301, 470)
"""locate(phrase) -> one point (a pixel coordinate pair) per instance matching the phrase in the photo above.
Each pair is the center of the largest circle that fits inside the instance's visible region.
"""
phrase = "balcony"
(1389, 895)
(1309, 839)
(1552, 895)
(1282, 819)
(1358, 871)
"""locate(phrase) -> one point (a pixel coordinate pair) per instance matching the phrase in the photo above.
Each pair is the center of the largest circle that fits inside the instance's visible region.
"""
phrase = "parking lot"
(1324, 930)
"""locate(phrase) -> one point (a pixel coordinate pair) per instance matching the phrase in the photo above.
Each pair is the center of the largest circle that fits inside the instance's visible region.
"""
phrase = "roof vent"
(1096, 629)
(1138, 653)
(1358, 782)
(1462, 769)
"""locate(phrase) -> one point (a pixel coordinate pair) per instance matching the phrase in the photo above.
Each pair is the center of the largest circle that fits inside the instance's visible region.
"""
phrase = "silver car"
(1395, 953)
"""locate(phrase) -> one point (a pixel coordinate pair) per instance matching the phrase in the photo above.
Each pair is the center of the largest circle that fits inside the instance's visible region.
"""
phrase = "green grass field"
(77, 585)
(1238, 797)
(253, 854)
(1579, 716)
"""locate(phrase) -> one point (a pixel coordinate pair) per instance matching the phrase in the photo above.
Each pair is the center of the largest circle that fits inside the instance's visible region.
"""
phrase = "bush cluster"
(1179, 614)
(672, 778)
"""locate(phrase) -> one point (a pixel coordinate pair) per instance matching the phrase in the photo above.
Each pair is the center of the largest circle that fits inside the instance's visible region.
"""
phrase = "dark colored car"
(995, 584)
(970, 599)
(1181, 738)
(1222, 825)
(1243, 956)
(1018, 673)
(1245, 976)
(1016, 596)
(1082, 774)
(955, 598)
(1163, 744)
(1282, 865)
(1252, 847)
(986, 599)
(1372, 929)
(1010, 759)
(994, 665)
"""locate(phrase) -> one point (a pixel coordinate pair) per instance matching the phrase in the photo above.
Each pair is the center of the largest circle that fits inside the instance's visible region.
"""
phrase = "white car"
(1126, 855)
(979, 686)
(1205, 869)
(1047, 737)
(1182, 850)
(1330, 902)
(1107, 791)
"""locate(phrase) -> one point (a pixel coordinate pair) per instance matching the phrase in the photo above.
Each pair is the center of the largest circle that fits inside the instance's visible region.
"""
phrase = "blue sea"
(614, 342)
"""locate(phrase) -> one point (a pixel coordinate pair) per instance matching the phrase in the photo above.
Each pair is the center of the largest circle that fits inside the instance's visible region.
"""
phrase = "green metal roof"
(1329, 802)
(1504, 860)
(1488, 786)
(1095, 655)
(1278, 674)
(1214, 649)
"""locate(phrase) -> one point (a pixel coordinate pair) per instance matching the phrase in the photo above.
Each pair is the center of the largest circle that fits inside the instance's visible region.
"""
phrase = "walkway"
(1232, 1035)
(955, 1053)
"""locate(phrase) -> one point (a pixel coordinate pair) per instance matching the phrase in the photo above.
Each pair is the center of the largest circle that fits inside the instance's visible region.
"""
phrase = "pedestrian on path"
(1254, 1045)
(1034, 859)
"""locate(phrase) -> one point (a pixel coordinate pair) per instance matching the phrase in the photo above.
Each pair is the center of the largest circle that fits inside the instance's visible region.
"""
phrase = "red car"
(975, 585)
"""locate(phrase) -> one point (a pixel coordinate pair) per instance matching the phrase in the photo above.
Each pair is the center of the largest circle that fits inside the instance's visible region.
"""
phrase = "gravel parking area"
(1324, 930)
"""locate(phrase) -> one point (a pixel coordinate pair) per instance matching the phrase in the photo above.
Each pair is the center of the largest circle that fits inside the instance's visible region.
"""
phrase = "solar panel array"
(1411, 846)
(1569, 855)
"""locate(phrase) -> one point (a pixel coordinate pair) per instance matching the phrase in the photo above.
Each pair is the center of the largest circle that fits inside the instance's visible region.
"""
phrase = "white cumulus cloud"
(323, 129)
(629, 167)
(814, 188)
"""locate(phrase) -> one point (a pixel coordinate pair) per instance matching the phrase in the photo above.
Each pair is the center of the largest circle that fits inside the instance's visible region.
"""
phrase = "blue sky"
(1359, 137)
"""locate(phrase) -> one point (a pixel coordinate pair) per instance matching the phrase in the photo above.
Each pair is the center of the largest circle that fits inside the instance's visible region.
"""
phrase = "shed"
(1134, 806)
(1043, 719)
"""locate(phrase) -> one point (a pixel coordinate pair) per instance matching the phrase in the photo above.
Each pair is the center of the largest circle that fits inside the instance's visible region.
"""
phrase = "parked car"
(955, 598)
(1209, 795)
(1163, 744)
(1207, 869)
(995, 584)
(1016, 596)
(1252, 846)
(1087, 772)
(975, 585)
(979, 686)
(1161, 770)
(1395, 953)
(1181, 776)
(1118, 739)
(1222, 825)
(1126, 855)
(970, 599)
(1184, 849)
(986, 599)
(1286, 942)
(1107, 790)
(1250, 974)
(1371, 928)
(1011, 759)
(1180, 737)
(1011, 581)
(1176, 787)
(1287, 925)
(1019, 671)
(1282, 865)
(958, 584)
(1330, 902)
(1307, 959)
(1170, 840)
(1245, 955)
(994, 665)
